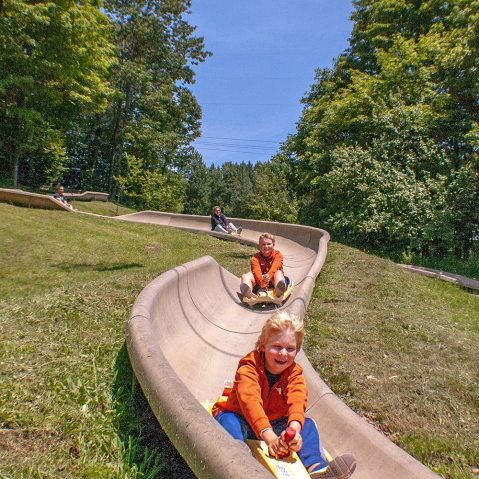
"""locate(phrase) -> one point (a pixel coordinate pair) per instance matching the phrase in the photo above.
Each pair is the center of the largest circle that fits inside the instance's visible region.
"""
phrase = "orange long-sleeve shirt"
(261, 265)
(252, 398)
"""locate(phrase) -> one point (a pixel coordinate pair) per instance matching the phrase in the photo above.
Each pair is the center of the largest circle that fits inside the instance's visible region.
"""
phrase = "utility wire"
(233, 151)
(235, 145)
(238, 139)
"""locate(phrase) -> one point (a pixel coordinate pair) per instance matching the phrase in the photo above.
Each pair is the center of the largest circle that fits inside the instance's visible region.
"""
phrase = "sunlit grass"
(399, 348)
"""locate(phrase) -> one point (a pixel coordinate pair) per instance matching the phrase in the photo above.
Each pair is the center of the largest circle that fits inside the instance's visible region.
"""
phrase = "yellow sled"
(287, 467)
(270, 297)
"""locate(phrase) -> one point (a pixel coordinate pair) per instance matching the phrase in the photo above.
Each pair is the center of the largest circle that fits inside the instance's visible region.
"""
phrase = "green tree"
(405, 94)
(54, 62)
(152, 189)
(273, 197)
(198, 190)
(154, 117)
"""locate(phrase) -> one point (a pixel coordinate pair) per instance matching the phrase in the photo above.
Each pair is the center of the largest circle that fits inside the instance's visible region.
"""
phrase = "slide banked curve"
(187, 331)
(32, 200)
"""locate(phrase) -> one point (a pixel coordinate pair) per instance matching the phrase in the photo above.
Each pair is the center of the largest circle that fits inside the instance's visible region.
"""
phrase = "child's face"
(280, 351)
(266, 246)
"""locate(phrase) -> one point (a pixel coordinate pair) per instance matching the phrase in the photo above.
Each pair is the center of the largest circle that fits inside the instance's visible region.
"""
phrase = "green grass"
(105, 208)
(69, 402)
(399, 348)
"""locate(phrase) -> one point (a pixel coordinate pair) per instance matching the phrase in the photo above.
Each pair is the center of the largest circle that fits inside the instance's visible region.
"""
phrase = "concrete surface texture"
(187, 330)
(88, 196)
(33, 200)
(467, 283)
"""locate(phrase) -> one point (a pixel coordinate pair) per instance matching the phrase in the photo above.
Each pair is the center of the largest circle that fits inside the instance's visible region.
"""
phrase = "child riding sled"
(266, 270)
(269, 394)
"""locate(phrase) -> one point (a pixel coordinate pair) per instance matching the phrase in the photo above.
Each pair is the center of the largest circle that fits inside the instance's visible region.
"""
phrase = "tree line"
(91, 91)
(385, 154)
(386, 150)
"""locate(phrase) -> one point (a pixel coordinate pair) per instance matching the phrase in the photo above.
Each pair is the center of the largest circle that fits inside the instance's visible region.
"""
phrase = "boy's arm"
(277, 264)
(297, 396)
(256, 270)
(249, 398)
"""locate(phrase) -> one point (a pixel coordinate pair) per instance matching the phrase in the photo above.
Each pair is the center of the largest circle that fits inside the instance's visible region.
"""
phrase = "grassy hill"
(399, 348)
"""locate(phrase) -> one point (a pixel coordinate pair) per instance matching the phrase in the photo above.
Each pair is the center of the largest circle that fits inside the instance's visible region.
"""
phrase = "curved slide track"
(188, 329)
(33, 200)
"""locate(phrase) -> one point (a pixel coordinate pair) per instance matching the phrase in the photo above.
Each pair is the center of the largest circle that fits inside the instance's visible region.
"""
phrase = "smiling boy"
(269, 394)
(266, 269)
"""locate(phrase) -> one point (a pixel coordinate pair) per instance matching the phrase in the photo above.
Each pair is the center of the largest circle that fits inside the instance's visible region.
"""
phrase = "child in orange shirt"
(266, 270)
(269, 394)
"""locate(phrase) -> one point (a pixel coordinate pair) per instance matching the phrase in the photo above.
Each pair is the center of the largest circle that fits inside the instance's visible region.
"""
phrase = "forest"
(385, 156)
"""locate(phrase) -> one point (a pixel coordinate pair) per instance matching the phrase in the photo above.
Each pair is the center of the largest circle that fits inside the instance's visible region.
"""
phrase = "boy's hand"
(276, 445)
(266, 278)
(296, 443)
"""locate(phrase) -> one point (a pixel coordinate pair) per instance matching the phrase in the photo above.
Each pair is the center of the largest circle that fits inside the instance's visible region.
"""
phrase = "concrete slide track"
(188, 329)
(33, 200)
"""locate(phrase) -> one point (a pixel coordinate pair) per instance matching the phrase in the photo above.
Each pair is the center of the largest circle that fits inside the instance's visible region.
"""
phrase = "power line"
(233, 151)
(239, 139)
(236, 145)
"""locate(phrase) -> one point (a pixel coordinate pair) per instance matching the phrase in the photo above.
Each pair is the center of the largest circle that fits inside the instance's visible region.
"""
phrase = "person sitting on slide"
(269, 394)
(266, 270)
(221, 224)
(60, 196)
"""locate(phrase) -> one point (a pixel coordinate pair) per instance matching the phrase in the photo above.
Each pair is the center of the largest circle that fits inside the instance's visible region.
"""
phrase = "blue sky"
(264, 57)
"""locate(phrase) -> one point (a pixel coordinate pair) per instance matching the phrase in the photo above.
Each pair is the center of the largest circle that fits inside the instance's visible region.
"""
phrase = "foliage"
(151, 189)
(402, 103)
(153, 115)
(54, 60)
(273, 198)
(198, 194)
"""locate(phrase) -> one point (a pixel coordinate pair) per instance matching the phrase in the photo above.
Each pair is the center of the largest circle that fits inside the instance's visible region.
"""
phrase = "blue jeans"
(310, 452)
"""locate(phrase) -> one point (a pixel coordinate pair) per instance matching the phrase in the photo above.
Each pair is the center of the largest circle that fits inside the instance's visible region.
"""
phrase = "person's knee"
(278, 276)
(231, 422)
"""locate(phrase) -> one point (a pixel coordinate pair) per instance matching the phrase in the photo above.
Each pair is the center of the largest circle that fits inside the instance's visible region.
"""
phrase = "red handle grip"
(289, 434)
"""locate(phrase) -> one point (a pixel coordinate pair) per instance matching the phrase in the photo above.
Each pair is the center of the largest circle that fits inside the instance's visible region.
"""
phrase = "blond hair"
(282, 321)
(266, 236)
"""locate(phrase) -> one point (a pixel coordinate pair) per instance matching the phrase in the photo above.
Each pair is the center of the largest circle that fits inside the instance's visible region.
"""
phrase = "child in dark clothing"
(221, 224)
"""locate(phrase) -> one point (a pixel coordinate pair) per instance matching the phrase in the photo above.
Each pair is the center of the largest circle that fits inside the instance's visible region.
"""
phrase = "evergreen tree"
(198, 191)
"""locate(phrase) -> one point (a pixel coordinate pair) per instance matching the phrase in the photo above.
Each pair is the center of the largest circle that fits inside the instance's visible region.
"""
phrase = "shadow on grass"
(150, 449)
(95, 267)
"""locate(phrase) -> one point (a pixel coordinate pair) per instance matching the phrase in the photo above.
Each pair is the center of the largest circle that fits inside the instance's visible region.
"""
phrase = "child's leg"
(279, 283)
(236, 425)
(232, 227)
(310, 453)
(220, 229)
(247, 284)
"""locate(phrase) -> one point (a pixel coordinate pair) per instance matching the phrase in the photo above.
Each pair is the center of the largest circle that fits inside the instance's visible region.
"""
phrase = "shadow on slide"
(182, 348)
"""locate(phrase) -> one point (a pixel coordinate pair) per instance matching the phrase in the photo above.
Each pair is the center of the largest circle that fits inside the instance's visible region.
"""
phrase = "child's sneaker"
(341, 467)
(245, 290)
(280, 288)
